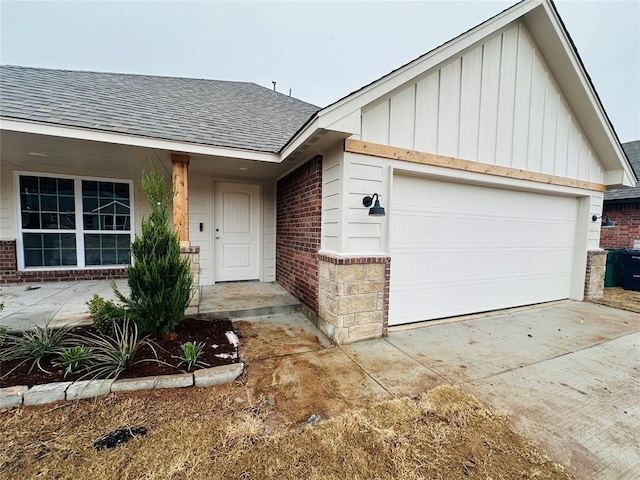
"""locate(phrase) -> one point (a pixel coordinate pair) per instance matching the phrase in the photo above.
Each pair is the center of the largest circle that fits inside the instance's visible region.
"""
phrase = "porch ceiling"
(40, 152)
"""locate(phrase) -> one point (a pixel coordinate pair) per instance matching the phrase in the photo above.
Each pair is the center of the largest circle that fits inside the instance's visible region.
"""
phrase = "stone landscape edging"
(57, 391)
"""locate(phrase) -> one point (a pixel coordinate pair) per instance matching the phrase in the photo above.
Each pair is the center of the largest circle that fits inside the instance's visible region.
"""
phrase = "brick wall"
(298, 219)
(627, 219)
(10, 274)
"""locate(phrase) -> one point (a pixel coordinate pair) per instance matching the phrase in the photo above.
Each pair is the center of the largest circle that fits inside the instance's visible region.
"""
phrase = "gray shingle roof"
(211, 112)
(632, 149)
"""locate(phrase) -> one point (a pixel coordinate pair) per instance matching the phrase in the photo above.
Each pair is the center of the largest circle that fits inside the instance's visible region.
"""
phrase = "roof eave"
(39, 128)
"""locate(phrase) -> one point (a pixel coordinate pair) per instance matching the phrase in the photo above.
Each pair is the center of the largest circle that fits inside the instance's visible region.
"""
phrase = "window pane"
(32, 240)
(28, 185)
(106, 222)
(48, 203)
(123, 257)
(33, 258)
(122, 192)
(48, 185)
(106, 189)
(68, 241)
(69, 257)
(67, 204)
(122, 222)
(91, 222)
(108, 241)
(51, 241)
(29, 201)
(109, 257)
(107, 206)
(68, 221)
(50, 220)
(30, 220)
(89, 188)
(92, 257)
(52, 258)
(65, 186)
(89, 205)
(123, 241)
(92, 241)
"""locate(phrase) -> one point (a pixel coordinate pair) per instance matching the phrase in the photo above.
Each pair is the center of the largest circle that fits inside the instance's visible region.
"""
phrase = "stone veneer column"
(353, 297)
(193, 254)
(594, 280)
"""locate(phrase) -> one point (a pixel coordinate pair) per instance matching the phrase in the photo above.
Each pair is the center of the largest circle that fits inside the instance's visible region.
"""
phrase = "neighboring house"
(490, 154)
(622, 206)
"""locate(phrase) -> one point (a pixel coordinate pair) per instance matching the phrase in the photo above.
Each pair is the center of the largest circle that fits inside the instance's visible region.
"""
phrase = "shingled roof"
(632, 149)
(210, 112)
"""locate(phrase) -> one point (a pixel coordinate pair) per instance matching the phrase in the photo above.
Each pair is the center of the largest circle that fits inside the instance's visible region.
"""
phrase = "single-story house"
(489, 157)
(622, 207)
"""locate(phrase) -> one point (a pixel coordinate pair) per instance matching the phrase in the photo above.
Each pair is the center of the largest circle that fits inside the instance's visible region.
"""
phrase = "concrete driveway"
(567, 374)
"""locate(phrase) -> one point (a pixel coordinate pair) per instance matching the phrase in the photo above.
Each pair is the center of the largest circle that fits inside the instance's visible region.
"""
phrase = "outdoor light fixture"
(376, 210)
(606, 221)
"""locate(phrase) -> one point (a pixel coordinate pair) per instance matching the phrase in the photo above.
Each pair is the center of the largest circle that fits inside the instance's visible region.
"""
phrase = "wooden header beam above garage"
(414, 156)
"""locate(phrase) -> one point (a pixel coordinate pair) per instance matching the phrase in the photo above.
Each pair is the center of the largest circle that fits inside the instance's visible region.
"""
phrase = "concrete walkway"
(65, 303)
(567, 374)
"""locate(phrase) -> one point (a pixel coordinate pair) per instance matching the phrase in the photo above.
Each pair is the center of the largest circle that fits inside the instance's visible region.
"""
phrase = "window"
(73, 222)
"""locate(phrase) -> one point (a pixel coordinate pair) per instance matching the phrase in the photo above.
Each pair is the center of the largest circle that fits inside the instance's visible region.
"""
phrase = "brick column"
(594, 280)
(353, 297)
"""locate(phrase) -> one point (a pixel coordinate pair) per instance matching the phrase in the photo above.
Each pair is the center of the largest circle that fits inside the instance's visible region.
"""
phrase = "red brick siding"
(8, 261)
(10, 274)
(298, 227)
(627, 219)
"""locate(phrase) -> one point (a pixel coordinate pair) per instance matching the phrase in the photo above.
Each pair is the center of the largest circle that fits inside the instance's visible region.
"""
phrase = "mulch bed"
(212, 331)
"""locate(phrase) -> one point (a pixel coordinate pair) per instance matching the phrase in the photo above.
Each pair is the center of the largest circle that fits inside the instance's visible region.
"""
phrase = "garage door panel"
(459, 249)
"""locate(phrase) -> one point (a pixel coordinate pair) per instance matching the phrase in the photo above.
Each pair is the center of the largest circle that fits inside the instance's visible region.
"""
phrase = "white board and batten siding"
(497, 103)
(463, 242)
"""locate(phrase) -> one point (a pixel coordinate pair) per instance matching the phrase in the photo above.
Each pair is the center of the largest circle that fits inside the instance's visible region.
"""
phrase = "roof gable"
(551, 37)
(206, 112)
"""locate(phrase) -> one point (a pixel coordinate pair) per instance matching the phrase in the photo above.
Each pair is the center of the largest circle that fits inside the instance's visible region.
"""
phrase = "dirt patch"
(325, 382)
(210, 435)
(617, 297)
(212, 331)
(268, 339)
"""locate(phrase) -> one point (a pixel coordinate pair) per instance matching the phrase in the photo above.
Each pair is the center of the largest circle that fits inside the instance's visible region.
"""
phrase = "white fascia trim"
(134, 140)
(299, 138)
(629, 179)
(393, 80)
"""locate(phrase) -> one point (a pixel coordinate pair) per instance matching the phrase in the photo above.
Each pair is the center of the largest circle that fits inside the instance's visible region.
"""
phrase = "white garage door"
(458, 249)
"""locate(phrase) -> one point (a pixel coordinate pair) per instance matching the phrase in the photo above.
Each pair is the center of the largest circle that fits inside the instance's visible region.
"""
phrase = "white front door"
(236, 231)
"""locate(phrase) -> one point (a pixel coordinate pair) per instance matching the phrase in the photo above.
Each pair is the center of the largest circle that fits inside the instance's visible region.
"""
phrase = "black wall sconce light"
(606, 221)
(376, 210)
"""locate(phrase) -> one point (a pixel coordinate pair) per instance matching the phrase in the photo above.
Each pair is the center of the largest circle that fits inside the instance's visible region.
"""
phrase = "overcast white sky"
(321, 50)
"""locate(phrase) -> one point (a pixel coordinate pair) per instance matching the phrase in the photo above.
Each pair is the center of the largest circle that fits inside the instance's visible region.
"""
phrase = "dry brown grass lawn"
(209, 434)
(618, 298)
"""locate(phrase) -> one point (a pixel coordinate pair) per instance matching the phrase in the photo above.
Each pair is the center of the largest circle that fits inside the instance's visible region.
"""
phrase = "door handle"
(217, 233)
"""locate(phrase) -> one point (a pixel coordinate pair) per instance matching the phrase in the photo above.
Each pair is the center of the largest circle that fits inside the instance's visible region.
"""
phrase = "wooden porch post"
(180, 170)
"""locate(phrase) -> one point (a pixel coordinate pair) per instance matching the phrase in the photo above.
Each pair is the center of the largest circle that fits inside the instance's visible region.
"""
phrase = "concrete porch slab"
(29, 304)
(246, 299)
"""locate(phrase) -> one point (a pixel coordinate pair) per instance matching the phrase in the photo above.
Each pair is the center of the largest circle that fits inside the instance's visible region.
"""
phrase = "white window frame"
(79, 231)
